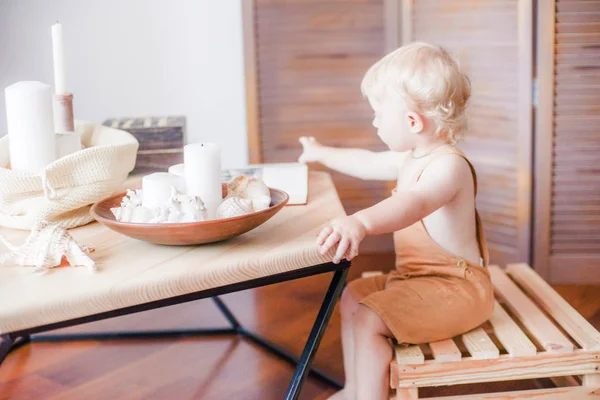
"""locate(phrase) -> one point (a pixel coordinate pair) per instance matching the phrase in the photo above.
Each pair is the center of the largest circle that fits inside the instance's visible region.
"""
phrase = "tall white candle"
(203, 174)
(58, 52)
(31, 138)
(156, 188)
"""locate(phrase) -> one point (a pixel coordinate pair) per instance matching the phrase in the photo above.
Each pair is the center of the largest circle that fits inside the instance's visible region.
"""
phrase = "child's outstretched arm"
(362, 164)
(439, 184)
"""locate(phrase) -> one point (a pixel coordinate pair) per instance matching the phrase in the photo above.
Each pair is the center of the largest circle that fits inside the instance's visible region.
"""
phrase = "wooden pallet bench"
(533, 333)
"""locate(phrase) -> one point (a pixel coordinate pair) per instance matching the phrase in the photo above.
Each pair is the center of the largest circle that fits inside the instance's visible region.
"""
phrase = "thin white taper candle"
(58, 52)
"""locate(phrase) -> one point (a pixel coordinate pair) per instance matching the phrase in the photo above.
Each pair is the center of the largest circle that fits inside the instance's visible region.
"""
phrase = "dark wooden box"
(161, 140)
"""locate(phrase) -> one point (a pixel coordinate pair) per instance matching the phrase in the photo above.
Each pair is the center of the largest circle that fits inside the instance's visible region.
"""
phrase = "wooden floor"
(211, 368)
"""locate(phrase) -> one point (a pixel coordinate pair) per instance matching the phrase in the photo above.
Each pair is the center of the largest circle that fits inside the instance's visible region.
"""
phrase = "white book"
(292, 178)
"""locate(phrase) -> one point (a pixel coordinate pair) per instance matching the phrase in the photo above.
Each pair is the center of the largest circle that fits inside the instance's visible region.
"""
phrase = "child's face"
(394, 122)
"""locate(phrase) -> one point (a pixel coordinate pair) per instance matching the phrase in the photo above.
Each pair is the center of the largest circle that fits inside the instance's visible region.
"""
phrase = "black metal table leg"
(6, 343)
(227, 313)
(10, 342)
(316, 333)
(270, 346)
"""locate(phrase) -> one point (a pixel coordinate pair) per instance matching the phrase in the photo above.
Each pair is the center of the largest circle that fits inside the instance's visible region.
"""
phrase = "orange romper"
(432, 294)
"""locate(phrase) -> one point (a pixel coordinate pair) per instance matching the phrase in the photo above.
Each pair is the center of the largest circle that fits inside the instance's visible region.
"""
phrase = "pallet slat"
(409, 354)
(480, 345)
(551, 339)
(578, 327)
(541, 394)
(407, 394)
(445, 350)
(514, 340)
(369, 274)
(503, 368)
(591, 380)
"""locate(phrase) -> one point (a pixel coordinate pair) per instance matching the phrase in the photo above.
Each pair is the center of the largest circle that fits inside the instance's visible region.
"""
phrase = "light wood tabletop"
(132, 272)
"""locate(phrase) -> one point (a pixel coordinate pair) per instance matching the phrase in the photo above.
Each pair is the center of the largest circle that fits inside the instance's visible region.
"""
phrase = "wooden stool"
(533, 333)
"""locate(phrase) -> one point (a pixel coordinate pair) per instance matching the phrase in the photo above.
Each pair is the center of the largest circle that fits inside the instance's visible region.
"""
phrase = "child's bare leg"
(348, 307)
(372, 356)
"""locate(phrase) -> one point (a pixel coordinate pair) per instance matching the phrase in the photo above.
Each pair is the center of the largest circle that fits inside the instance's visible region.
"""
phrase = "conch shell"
(234, 207)
(250, 188)
(178, 208)
(45, 248)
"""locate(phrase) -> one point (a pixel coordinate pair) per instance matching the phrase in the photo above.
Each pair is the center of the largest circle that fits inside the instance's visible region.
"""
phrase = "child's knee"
(367, 320)
(363, 316)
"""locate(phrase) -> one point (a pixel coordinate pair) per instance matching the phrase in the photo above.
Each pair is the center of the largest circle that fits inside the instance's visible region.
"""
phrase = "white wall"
(137, 58)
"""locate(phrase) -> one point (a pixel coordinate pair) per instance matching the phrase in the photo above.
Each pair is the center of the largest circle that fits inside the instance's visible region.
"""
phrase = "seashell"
(123, 213)
(45, 248)
(192, 207)
(247, 188)
(181, 208)
(178, 208)
(237, 186)
(141, 215)
(234, 207)
(261, 203)
(133, 198)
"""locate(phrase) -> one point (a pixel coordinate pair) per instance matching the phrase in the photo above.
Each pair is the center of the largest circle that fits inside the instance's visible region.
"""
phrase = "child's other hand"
(311, 150)
(346, 232)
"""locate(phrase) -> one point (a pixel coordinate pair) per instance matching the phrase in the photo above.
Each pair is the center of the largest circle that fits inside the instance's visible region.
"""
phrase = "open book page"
(292, 178)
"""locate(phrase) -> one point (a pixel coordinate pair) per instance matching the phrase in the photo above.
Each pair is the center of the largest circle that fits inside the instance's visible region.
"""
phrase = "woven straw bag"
(63, 191)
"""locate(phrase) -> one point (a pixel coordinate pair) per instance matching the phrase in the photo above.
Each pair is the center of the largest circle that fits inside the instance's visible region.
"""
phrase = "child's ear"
(416, 123)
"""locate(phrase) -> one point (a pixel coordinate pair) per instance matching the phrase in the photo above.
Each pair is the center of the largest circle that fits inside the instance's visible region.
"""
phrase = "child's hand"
(312, 150)
(346, 232)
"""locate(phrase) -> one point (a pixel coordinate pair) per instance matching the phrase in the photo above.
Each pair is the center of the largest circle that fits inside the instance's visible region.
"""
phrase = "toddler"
(440, 286)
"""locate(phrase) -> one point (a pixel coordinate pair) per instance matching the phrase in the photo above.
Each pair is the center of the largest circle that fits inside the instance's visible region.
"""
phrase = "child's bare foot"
(341, 395)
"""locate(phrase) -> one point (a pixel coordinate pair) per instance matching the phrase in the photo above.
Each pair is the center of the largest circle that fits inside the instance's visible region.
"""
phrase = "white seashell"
(133, 197)
(178, 208)
(261, 203)
(45, 248)
(117, 212)
(192, 207)
(141, 215)
(234, 207)
(131, 213)
(123, 213)
(237, 186)
(161, 215)
(247, 188)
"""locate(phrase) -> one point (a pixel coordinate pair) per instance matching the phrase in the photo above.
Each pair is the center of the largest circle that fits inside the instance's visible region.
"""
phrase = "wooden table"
(136, 276)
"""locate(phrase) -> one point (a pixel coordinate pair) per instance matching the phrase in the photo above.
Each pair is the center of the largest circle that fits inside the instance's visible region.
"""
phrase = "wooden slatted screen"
(491, 41)
(574, 251)
(311, 56)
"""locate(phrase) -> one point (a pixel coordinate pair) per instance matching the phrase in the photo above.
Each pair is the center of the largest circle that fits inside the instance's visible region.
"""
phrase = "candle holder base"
(63, 113)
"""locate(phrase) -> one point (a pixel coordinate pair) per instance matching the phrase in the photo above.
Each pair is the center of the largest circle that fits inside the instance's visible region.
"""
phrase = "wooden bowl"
(187, 233)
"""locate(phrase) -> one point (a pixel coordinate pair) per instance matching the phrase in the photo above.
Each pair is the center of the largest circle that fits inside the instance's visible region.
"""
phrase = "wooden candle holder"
(63, 113)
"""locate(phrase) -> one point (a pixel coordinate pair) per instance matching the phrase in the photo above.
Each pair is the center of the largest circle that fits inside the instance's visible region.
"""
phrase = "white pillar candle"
(31, 138)
(203, 174)
(156, 188)
(67, 143)
(177, 169)
(58, 53)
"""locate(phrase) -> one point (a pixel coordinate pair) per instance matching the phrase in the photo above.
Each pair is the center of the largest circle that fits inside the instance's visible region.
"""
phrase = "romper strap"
(483, 248)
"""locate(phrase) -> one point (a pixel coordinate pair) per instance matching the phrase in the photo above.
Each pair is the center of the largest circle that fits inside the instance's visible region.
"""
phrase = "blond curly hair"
(430, 81)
